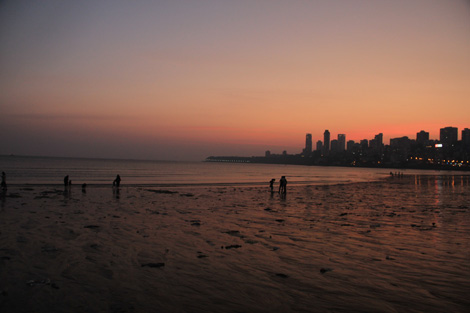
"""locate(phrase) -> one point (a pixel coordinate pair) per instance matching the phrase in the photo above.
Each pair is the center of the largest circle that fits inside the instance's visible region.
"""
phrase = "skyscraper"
(448, 135)
(308, 144)
(326, 142)
(364, 144)
(379, 140)
(466, 137)
(422, 137)
(319, 145)
(341, 142)
(350, 145)
(334, 146)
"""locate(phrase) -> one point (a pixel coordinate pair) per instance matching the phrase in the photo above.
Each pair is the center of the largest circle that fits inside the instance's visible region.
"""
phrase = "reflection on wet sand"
(441, 183)
(398, 245)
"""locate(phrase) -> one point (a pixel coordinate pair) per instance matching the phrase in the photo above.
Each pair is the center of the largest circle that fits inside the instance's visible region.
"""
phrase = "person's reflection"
(116, 193)
(3, 196)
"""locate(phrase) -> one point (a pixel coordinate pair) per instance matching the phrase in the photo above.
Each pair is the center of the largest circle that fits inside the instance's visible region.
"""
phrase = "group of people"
(68, 182)
(117, 182)
(282, 185)
(397, 174)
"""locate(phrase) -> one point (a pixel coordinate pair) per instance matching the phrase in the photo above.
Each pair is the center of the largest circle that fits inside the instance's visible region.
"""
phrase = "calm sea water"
(49, 170)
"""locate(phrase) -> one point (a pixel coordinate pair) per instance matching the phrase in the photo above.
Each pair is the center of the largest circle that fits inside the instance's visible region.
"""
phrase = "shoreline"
(241, 184)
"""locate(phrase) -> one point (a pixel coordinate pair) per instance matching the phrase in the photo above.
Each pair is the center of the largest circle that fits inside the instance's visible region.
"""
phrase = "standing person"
(271, 184)
(283, 185)
(66, 181)
(117, 181)
(4, 181)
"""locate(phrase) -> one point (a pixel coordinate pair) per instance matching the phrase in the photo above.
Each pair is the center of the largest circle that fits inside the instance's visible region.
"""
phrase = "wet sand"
(399, 245)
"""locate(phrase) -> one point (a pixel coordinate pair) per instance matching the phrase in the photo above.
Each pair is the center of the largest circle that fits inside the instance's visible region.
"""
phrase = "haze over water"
(40, 170)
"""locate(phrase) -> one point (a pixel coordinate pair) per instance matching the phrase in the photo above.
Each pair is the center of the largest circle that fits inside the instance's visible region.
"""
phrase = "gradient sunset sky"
(187, 79)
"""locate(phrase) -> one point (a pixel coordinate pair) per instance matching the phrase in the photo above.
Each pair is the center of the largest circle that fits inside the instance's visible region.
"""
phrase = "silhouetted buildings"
(342, 142)
(326, 142)
(364, 144)
(377, 142)
(319, 146)
(400, 148)
(466, 143)
(402, 152)
(400, 143)
(422, 137)
(308, 144)
(334, 146)
(448, 136)
(466, 138)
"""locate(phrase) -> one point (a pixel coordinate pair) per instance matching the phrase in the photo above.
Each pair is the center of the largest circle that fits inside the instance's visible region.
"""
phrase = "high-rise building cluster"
(448, 149)
(327, 146)
(447, 152)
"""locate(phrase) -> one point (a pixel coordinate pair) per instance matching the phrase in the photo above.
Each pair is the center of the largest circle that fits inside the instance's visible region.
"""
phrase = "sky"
(183, 80)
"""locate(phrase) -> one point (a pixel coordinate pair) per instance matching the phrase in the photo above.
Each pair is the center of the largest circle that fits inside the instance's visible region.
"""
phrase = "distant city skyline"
(447, 135)
(180, 80)
(423, 152)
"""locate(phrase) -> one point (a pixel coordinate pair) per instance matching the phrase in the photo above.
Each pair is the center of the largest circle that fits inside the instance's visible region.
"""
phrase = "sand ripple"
(400, 245)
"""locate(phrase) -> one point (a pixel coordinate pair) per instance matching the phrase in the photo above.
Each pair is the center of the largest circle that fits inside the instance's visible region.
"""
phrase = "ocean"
(52, 170)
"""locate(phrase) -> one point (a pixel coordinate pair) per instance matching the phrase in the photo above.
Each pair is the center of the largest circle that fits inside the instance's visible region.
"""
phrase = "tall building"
(326, 142)
(364, 144)
(373, 144)
(422, 137)
(350, 145)
(334, 146)
(466, 137)
(448, 135)
(400, 149)
(319, 145)
(379, 140)
(308, 144)
(400, 143)
(341, 142)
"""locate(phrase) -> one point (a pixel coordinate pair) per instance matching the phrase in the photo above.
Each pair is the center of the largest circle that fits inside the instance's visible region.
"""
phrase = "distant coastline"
(299, 159)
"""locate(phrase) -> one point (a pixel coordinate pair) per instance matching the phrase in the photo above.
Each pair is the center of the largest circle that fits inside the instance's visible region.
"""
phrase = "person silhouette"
(66, 181)
(117, 181)
(271, 184)
(283, 185)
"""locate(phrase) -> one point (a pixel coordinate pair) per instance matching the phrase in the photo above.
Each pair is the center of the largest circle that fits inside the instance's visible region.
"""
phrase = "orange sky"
(189, 79)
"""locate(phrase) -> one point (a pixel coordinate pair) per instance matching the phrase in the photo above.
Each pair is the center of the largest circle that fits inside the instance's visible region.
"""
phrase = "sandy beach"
(398, 245)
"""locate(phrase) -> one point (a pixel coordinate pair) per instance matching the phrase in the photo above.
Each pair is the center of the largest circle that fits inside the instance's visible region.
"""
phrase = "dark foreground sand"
(401, 245)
